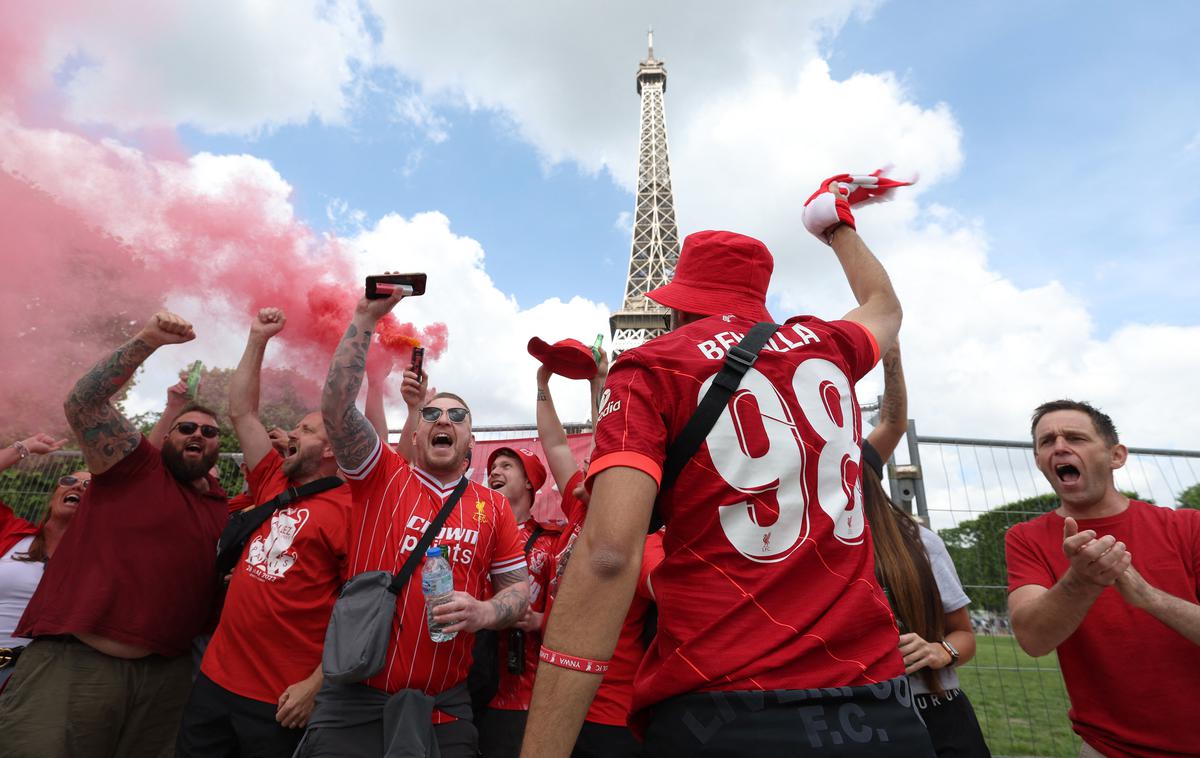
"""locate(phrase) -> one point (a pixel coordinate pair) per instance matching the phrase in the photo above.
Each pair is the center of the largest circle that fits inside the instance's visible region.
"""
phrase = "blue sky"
(1075, 118)
(1049, 250)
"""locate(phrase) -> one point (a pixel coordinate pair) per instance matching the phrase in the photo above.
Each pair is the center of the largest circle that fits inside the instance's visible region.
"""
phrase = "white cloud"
(221, 66)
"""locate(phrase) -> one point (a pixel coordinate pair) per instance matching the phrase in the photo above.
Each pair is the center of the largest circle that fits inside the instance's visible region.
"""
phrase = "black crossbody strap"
(738, 361)
(537, 532)
(253, 519)
(435, 526)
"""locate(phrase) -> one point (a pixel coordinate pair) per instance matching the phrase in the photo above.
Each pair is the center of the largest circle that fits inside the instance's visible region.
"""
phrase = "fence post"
(905, 481)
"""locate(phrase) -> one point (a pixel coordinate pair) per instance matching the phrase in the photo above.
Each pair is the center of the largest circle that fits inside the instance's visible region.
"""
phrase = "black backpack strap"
(738, 361)
(538, 531)
(435, 526)
(242, 525)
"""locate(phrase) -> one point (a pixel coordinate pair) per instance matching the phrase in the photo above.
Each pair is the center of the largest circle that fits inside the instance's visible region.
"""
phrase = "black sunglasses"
(190, 427)
(432, 414)
(71, 481)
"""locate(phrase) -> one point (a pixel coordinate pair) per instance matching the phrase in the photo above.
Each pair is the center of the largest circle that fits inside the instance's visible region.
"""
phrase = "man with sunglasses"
(394, 502)
(131, 582)
(262, 669)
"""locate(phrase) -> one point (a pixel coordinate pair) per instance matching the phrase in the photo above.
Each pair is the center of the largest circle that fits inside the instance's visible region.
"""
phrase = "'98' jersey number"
(754, 463)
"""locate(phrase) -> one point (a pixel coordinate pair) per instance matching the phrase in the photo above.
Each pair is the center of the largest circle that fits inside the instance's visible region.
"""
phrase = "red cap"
(569, 358)
(719, 272)
(535, 472)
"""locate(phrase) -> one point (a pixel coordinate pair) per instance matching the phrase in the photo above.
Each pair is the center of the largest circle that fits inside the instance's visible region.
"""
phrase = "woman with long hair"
(919, 579)
(25, 547)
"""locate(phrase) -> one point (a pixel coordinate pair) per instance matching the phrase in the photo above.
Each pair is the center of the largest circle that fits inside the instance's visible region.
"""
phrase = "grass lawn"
(1020, 701)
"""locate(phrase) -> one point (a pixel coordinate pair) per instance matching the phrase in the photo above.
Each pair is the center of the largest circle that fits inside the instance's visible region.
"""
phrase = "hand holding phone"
(381, 286)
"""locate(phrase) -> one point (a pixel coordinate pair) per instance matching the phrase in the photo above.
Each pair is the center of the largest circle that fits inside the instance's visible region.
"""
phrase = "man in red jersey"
(518, 474)
(1113, 585)
(394, 502)
(604, 733)
(774, 639)
(262, 669)
(131, 583)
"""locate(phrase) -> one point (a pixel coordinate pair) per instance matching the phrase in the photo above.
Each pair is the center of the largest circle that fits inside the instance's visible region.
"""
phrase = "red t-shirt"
(516, 690)
(283, 589)
(1127, 673)
(13, 528)
(137, 564)
(393, 505)
(613, 698)
(768, 580)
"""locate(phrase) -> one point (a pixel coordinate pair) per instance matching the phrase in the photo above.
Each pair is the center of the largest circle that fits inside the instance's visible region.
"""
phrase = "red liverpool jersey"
(283, 588)
(768, 580)
(515, 691)
(393, 505)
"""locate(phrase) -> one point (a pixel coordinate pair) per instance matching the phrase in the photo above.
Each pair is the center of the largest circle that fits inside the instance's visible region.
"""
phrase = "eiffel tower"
(655, 248)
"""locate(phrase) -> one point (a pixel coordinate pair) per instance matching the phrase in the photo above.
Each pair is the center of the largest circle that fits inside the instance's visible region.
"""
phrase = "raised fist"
(165, 328)
(268, 323)
(830, 205)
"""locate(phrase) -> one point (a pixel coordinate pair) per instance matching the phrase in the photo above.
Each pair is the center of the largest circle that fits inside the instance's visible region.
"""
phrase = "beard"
(187, 471)
(303, 463)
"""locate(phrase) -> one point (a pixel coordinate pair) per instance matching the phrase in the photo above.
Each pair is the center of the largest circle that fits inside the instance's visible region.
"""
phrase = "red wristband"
(562, 660)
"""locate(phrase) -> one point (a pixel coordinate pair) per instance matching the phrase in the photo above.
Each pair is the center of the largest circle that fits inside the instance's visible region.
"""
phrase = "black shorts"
(872, 721)
(952, 725)
(500, 732)
(220, 724)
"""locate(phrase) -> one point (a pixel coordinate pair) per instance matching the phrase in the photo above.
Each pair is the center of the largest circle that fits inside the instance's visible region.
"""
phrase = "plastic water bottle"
(437, 582)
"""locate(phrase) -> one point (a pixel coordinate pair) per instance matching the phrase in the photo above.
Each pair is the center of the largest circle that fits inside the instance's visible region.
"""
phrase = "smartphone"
(380, 286)
(418, 358)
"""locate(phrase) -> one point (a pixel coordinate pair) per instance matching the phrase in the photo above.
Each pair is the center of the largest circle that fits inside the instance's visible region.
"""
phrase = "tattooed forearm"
(894, 409)
(104, 434)
(511, 599)
(350, 433)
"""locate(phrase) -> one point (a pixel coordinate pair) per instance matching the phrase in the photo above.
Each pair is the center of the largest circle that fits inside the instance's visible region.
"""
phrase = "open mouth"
(194, 447)
(495, 483)
(72, 498)
(441, 439)
(292, 450)
(1067, 473)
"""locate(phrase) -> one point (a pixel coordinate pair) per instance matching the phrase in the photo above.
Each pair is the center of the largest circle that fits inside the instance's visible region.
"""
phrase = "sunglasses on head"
(432, 414)
(71, 481)
(190, 427)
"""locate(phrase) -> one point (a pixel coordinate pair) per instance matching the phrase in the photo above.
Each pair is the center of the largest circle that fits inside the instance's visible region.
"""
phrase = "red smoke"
(98, 235)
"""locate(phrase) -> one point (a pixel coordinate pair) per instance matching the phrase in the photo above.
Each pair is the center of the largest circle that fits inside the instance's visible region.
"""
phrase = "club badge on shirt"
(480, 517)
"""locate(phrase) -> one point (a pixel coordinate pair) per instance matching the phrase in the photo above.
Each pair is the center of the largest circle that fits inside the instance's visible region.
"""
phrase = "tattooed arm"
(105, 436)
(893, 411)
(466, 613)
(351, 434)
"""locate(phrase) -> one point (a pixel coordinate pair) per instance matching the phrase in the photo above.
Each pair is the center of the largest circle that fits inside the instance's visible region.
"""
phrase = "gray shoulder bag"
(360, 627)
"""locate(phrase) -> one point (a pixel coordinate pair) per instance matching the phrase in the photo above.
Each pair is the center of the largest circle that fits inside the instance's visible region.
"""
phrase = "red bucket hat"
(535, 472)
(569, 358)
(719, 272)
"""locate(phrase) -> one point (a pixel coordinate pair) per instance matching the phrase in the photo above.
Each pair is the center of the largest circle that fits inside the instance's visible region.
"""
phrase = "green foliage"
(977, 548)
(1190, 498)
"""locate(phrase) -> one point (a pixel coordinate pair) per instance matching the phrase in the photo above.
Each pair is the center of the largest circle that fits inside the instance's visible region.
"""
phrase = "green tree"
(977, 549)
(1190, 498)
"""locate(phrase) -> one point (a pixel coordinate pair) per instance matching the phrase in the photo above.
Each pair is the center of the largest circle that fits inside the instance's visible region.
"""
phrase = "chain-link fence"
(27, 486)
(971, 491)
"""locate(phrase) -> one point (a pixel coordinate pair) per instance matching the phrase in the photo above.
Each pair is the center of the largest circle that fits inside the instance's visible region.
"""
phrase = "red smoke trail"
(99, 234)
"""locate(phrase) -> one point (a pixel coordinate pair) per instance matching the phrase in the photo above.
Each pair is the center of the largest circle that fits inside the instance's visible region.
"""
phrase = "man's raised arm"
(244, 387)
(878, 307)
(350, 433)
(893, 409)
(106, 436)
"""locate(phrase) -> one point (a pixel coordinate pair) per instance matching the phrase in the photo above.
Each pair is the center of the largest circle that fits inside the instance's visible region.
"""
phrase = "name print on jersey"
(456, 540)
(781, 341)
(269, 559)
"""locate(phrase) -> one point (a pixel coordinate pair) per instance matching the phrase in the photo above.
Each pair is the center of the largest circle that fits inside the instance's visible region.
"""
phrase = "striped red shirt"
(393, 505)
(768, 580)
